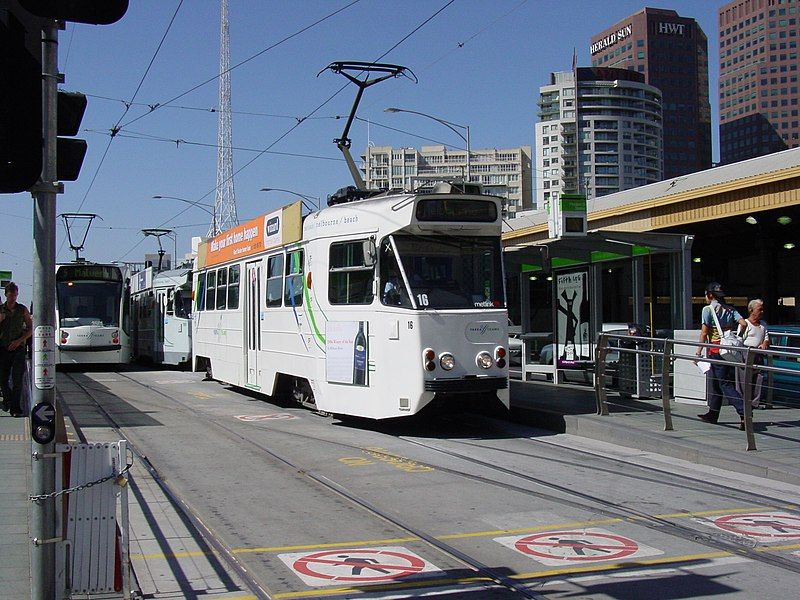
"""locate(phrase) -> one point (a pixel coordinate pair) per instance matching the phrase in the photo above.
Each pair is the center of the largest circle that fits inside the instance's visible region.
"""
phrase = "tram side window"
(293, 294)
(274, 280)
(170, 302)
(352, 272)
(222, 288)
(233, 287)
(211, 286)
(201, 292)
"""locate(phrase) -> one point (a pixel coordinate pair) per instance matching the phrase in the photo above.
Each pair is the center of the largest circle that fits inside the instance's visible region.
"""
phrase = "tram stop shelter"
(563, 292)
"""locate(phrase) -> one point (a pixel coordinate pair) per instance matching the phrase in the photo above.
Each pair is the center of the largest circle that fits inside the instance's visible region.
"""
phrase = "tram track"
(565, 496)
(486, 573)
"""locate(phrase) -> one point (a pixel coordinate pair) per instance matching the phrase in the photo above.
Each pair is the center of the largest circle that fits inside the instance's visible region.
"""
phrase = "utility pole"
(44, 304)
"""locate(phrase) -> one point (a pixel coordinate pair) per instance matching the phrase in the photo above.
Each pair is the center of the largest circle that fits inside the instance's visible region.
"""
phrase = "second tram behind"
(161, 311)
(368, 308)
(91, 314)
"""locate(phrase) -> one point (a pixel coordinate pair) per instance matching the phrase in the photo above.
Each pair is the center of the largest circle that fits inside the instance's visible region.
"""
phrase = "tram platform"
(639, 424)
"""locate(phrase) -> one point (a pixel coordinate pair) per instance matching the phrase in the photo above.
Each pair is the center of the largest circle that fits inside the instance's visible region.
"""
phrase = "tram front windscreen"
(452, 272)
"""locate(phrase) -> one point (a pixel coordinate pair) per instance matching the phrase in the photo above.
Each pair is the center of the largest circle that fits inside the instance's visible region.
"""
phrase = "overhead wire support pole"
(342, 68)
(43, 393)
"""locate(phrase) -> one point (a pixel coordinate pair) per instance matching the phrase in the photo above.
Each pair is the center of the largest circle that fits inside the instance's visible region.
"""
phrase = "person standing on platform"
(722, 377)
(16, 326)
(755, 335)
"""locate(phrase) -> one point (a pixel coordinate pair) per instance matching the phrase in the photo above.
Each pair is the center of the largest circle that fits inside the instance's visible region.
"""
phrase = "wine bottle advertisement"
(572, 303)
(347, 352)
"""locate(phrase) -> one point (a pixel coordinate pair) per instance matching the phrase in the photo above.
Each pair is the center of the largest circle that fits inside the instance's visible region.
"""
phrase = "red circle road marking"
(416, 565)
(622, 548)
(777, 521)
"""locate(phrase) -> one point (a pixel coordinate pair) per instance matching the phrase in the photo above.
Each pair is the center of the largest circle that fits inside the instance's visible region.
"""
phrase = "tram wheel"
(302, 393)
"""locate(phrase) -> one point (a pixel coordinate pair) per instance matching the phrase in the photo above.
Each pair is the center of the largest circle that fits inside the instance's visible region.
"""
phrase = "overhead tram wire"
(115, 129)
(155, 107)
(293, 127)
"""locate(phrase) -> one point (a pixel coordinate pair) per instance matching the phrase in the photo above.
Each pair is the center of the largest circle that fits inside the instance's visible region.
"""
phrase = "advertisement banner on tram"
(282, 226)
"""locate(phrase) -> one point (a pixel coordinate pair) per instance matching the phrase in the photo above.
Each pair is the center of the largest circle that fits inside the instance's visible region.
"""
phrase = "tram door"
(158, 345)
(252, 321)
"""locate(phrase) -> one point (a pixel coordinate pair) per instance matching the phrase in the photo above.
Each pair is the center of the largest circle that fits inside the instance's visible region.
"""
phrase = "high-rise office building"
(672, 53)
(502, 172)
(758, 89)
(617, 145)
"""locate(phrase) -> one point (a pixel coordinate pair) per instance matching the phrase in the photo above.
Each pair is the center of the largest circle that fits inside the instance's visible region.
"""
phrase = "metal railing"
(663, 350)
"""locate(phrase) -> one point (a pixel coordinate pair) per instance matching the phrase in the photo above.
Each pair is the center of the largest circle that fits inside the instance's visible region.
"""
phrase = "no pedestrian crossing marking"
(767, 526)
(356, 566)
(269, 417)
(554, 548)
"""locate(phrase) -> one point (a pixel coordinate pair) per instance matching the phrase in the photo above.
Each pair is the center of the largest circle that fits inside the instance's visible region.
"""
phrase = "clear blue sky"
(479, 63)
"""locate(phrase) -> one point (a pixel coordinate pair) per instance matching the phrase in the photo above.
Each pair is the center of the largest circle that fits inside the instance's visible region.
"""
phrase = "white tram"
(368, 308)
(91, 314)
(161, 310)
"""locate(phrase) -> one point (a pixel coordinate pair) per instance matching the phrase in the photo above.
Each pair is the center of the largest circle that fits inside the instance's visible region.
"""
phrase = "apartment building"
(503, 172)
(758, 69)
(605, 140)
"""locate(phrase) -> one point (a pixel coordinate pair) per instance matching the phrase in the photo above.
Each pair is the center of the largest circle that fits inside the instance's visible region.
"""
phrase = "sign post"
(43, 395)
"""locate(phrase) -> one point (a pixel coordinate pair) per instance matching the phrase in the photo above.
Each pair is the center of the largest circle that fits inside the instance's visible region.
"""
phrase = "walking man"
(16, 326)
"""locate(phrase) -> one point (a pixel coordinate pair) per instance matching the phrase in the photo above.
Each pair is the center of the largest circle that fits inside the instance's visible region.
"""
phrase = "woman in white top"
(755, 335)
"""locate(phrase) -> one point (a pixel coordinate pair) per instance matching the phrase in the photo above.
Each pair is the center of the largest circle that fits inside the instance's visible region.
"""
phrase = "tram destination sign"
(468, 211)
(282, 226)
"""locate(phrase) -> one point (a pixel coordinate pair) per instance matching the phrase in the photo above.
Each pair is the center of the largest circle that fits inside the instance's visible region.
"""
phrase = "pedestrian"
(16, 326)
(721, 377)
(755, 335)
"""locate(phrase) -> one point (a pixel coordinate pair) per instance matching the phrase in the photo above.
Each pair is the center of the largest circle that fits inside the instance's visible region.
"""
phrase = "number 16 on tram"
(369, 308)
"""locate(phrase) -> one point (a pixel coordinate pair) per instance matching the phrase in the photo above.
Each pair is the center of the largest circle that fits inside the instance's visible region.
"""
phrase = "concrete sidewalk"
(15, 473)
(639, 424)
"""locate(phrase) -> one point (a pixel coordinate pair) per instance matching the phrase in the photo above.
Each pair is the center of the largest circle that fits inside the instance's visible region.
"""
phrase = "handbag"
(731, 345)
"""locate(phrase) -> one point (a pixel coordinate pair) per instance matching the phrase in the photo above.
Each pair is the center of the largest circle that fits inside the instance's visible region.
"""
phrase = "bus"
(92, 314)
(372, 307)
(161, 311)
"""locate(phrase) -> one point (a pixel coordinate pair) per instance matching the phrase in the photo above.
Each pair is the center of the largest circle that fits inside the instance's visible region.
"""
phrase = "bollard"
(665, 397)
(747, 398)
(600, 374)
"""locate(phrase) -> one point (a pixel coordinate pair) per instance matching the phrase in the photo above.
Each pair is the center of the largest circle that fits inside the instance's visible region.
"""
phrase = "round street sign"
(577, 546)
(765, 526)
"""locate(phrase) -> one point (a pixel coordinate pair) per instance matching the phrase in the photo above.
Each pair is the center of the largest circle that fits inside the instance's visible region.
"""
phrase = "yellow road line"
(467, 535)
(534, 575)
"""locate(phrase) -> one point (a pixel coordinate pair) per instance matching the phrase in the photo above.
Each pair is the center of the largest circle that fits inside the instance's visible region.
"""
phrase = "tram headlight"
(447, 361)
(428, 355)
(484, 360)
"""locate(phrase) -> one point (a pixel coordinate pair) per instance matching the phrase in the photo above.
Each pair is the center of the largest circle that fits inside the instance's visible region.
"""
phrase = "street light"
(209, 208)
(309, 198)
(450, 125)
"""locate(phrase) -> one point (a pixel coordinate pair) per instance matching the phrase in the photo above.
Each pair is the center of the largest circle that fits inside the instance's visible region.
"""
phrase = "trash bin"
(636, 371)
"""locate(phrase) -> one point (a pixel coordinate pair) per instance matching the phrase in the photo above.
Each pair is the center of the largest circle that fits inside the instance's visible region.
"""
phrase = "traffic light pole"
(43, 524)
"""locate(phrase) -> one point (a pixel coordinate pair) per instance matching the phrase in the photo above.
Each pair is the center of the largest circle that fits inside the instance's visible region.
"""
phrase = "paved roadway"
(461, 506)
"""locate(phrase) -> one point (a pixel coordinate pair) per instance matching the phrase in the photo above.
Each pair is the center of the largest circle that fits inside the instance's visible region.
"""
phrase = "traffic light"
(70, 151)
(94, 12)
(20, 100)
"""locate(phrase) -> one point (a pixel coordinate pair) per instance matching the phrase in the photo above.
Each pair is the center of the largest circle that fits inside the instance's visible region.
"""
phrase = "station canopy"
(597, 246)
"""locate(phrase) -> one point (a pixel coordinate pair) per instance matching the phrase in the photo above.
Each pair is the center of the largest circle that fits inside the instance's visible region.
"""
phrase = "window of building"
(274, 280)
(352, 271)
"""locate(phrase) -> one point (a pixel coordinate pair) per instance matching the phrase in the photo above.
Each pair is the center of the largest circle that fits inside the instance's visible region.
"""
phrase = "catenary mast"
(225, 200)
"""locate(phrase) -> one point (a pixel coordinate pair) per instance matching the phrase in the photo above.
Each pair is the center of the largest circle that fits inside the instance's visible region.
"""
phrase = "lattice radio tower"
(225, 199)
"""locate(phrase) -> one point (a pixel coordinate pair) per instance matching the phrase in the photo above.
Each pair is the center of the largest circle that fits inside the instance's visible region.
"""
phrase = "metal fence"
(646, 367)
